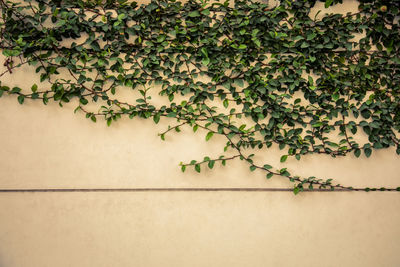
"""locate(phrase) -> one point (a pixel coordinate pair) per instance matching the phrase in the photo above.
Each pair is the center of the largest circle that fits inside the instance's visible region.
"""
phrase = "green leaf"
(121, 17)
(204, 51)
(183, 168)
(284, 158)
(311, 36)
(171, 115)
(60, 23)
(367, 152)
(328, 3)
(310, 80)
(194, 14)
(205, 61)
(161, 38)
(21, 99)
(284, 172)
(317, 124)
(266, 166)
(101, 62)
(109, 120)
(296, 190)
(225, 103)
(197, 168)
(269, 175)
(156, 117)
(205, 12)
(304, 45)
(252, 168)
(211, 164)
(15, 90)
(93, 118)
(34, 88)
(357, 152)
(239, 82)
(83, 101)
(209, 135)
(242, 46)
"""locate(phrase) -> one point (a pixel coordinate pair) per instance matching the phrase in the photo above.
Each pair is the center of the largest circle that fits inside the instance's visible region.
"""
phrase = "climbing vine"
(259, 75)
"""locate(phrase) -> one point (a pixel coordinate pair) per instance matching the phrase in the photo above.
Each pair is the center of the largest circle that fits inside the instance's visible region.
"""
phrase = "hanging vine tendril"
(305, 84)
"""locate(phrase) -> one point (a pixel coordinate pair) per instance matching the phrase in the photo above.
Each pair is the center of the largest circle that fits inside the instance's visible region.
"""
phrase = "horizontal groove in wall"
(68, 190)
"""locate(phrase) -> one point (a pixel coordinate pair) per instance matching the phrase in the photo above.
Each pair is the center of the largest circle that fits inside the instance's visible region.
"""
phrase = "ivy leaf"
(161, 38)
(21, 99)
(60, 23)
(367, 152)
(93, 118)
(328, 3)
(156, 117)
(296, 190)
(211, 164)
(171, 115)
(239, 82)
(225, 103)
(121, 17)
(83, 101)
(205, 12)
(304, 45)
(194, 14)
(34, 88)
(266, 166)
(15, 90)
(101, 62)
(205, 61)
(317, 124)
(209, 135)
(310, 80)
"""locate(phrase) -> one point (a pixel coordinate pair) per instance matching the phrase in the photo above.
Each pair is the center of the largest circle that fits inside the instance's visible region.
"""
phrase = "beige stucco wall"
(51, 147)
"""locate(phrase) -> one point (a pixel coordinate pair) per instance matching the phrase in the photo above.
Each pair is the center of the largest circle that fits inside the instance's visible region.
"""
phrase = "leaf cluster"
(257, 75)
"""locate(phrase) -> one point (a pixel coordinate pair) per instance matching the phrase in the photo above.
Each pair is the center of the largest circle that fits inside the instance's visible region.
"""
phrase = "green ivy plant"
(305, 84)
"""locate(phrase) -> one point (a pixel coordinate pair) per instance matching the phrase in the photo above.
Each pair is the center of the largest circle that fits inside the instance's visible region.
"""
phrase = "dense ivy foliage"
(258, 75)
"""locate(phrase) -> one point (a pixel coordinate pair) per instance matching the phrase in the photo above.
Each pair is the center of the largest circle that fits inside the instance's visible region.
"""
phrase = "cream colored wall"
(50, 147)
